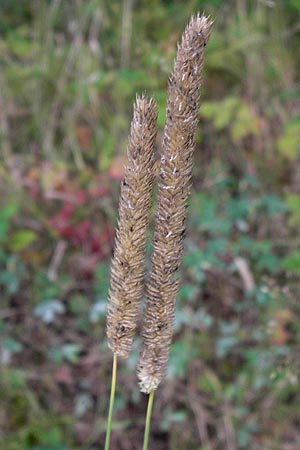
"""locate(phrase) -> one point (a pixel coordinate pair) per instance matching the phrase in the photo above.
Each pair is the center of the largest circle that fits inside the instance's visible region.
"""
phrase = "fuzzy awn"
(173, 191)
(128, 263)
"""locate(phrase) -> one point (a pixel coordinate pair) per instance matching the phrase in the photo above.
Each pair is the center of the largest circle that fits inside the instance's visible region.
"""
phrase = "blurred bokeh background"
(69, 71)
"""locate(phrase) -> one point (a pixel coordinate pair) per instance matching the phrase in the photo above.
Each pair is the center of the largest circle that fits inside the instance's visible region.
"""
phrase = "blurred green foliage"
(69, 74)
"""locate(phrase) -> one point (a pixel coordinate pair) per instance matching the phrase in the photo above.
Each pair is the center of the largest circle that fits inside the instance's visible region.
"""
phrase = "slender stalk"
(111, 401)
(148, 420)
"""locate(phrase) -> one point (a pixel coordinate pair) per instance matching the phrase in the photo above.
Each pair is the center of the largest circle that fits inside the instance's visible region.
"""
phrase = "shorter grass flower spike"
(128, 263)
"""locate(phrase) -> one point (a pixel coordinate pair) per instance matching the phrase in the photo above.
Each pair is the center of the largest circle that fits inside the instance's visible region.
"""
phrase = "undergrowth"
(67, 85)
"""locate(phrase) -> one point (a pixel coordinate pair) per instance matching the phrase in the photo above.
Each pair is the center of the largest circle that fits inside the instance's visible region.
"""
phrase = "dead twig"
(245, 274)
(56, 260)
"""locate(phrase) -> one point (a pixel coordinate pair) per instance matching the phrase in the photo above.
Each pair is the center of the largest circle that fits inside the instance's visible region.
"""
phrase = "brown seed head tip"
(144, 105)
(198, 29)
(200, 23)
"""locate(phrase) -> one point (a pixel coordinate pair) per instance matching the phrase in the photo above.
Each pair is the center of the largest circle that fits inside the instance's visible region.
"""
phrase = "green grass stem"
(148, 420)
(111, 402)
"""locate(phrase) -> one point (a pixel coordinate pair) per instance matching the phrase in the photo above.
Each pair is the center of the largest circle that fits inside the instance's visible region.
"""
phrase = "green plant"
(173, 190)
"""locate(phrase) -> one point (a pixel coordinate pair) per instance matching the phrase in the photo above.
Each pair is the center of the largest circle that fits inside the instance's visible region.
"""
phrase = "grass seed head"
(173, 191)
(128, 262)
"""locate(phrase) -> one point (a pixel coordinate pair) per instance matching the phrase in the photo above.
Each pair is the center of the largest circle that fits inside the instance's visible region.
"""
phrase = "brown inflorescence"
(128, 262)
(173, 190)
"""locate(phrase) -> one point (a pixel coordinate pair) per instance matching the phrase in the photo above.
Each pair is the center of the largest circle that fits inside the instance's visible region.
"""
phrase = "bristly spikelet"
(173, 191)
(128, 263)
